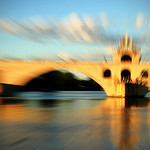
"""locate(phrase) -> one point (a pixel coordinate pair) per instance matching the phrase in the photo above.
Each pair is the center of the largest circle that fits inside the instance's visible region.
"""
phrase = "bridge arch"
(23, 72)
(101, 83)
(126, 58)
(107, 73)
(63, 79)
(125, 75)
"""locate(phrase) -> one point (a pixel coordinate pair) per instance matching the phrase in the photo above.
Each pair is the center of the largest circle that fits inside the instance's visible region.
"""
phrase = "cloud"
(70, 29)
(109, 49)
(148, 25)
(139, 21)
(65, 56)
(104, 20)
(78, 29)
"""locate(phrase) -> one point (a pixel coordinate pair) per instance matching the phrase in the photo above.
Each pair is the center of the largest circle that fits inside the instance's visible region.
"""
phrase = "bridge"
(126, 65)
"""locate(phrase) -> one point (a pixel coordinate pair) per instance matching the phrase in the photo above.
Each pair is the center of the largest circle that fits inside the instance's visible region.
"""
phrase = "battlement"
(125, 53)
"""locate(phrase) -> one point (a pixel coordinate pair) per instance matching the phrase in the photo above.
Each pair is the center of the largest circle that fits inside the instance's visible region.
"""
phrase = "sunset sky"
(66, 28)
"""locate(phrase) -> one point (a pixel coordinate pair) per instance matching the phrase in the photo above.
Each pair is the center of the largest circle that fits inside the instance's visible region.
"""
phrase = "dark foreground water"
(74, 121)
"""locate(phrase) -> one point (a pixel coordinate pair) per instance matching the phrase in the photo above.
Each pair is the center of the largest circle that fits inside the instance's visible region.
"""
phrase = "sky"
(71, 28)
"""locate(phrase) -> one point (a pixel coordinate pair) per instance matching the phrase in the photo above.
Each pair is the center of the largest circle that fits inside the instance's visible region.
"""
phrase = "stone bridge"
(126, 65)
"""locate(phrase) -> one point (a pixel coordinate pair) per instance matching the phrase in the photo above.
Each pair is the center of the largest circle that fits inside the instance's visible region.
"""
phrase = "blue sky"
(67, 28)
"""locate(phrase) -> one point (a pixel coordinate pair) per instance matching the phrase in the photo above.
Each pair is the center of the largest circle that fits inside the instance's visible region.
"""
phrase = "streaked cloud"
(139, 21)
(148, 24)
(65, 56)
(70, 29)
(109, 49)
(104, 20)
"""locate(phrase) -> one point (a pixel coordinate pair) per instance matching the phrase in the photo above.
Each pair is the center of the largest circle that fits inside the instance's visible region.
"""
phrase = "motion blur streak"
(70, 29)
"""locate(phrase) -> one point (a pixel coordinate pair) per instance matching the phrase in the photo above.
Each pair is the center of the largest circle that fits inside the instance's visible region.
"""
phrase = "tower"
(126, 53)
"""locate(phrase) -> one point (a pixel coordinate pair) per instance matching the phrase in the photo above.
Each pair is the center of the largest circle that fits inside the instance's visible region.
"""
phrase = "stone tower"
(126, 52)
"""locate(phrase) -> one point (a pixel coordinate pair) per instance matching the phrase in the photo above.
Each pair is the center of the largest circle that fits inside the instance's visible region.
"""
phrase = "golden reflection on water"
(124, 124)
(119, 121)
(18, 112)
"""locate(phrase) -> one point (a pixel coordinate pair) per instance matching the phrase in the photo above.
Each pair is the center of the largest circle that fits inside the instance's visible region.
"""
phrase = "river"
(74, 120)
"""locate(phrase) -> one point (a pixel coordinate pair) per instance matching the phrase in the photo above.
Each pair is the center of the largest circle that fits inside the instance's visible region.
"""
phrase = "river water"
(75, 120)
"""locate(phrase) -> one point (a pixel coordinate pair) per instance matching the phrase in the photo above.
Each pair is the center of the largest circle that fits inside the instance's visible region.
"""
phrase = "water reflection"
(48, 103)
(126, 119)
(136, 102)
(107, 123)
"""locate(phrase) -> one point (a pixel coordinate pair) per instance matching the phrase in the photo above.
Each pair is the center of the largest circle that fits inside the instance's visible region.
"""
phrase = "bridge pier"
(7, 90)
